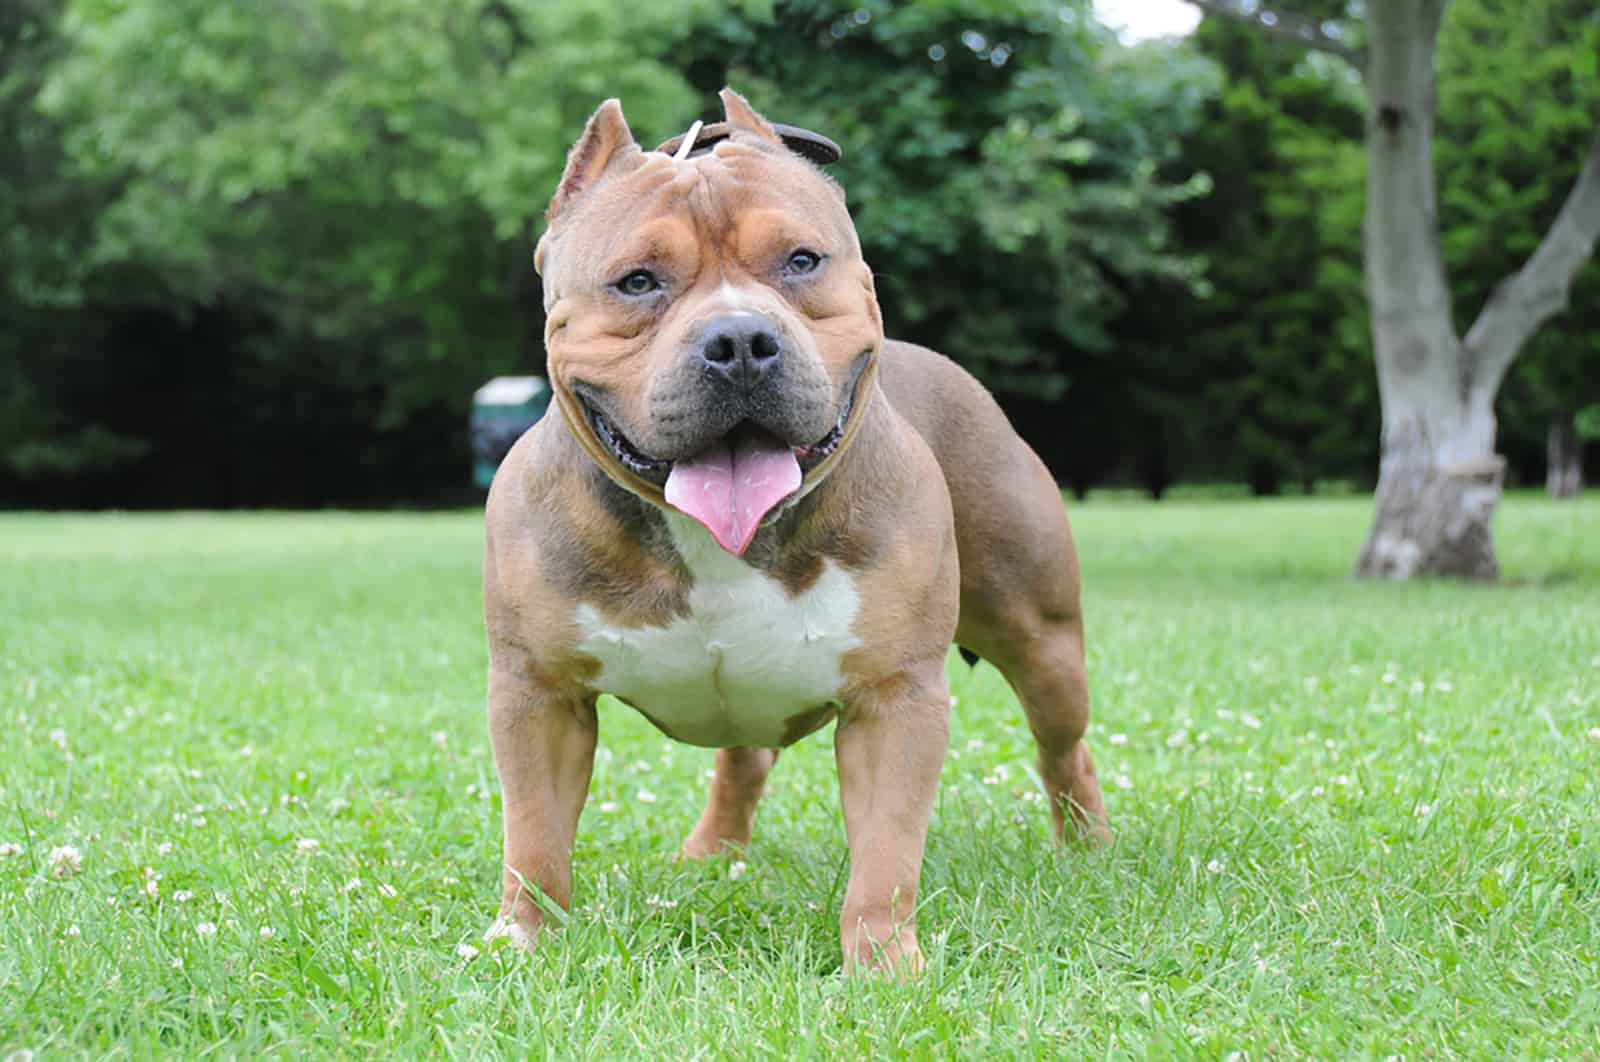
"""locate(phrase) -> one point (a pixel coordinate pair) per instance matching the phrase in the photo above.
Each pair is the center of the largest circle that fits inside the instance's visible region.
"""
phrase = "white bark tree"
(1440, 479)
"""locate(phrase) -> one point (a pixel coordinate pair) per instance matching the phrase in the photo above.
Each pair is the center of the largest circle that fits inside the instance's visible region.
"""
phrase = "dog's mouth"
(650, 469)
(734, 484)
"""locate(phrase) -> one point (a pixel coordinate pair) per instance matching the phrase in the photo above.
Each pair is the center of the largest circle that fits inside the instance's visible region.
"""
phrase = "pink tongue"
(729, 488)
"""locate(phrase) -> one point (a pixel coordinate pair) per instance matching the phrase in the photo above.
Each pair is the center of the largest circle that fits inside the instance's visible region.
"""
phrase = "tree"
(1006, 164)
(46, 215)
(1519, 97)
(1283, 370)
(1439, 478)
(319, 225)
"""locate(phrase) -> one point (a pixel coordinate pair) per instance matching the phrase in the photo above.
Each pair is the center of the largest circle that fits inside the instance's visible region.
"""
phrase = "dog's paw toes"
(699, 846)
(506, 926)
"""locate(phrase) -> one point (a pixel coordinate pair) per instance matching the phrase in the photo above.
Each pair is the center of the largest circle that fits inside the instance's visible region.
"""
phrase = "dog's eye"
(638, 282)
(802, 262)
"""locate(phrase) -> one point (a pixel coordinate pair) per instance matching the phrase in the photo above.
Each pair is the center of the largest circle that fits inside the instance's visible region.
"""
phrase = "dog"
(754, 515)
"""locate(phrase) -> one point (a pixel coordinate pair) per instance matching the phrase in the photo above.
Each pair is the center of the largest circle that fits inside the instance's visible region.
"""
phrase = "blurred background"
(261, 255)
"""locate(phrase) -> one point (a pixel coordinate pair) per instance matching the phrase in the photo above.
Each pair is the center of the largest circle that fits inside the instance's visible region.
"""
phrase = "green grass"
(1352, 819)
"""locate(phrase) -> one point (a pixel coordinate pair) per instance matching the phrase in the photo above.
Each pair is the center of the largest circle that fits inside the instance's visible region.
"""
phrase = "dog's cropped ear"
(743, 117)
(606, 142)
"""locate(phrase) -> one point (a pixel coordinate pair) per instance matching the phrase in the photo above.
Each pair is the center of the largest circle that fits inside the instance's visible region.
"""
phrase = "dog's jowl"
(753, 516)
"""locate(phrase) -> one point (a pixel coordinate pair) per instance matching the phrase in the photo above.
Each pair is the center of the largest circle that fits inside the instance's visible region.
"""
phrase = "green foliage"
(1003, 160)
(1280, 348)
(263, 254)
(338, 199)
(363, 169)
(1587, 422)
(1518, 105)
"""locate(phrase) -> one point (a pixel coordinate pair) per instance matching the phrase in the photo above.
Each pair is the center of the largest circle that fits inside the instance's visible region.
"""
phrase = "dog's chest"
(749, 664)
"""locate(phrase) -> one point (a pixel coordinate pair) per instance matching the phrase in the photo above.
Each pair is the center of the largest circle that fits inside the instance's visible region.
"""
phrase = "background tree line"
(262, 255)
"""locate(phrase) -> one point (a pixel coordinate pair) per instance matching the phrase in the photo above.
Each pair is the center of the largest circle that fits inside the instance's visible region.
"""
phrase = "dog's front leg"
(543, 742)
(890, 745)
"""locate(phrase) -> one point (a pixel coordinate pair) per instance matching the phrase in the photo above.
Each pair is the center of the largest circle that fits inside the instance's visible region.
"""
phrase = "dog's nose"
(742, 347)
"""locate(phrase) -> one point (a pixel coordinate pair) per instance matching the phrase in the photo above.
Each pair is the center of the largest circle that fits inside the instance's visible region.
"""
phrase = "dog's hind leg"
(739, 779)
(1045, 668)
(1032, 630)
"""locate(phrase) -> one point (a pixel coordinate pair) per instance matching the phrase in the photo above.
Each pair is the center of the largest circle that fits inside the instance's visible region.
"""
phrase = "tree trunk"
(1439, 480)
(1438, 486)
(1564, 476)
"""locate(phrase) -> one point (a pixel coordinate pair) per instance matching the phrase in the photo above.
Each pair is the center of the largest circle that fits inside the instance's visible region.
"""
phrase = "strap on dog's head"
(700, 139)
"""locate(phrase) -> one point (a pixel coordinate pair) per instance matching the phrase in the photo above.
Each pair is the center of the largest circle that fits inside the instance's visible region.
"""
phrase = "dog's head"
(712, 330)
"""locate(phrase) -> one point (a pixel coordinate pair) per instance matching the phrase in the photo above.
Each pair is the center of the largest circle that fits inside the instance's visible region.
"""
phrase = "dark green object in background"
(502, 410)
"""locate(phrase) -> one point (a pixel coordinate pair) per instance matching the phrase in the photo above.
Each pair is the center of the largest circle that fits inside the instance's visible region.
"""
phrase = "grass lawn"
(1352, 819)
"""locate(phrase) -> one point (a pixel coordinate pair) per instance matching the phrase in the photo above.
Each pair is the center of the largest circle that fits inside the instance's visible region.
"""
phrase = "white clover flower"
(351, 886)
(441, 740)
(183, 895)
(1594, 735)
(9, 849)
(608, 808)
(164, 848)
(65, 861)
(307, 846)
(646, 797)
(1423, 811)
(1216, 866)
(267, 932)
(467, 952)
(736, 871)
(206, 930)
(74, 931)
(1250, 721)
(1118, 739)
(388, 891)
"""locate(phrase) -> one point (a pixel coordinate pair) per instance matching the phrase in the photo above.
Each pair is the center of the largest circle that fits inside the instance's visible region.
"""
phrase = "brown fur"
(949, 526)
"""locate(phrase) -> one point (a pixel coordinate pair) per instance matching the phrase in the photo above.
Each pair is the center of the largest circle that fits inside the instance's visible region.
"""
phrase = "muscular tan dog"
(754, 515)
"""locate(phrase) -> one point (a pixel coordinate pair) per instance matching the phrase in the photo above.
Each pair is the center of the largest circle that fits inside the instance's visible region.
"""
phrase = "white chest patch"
(745, 661)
